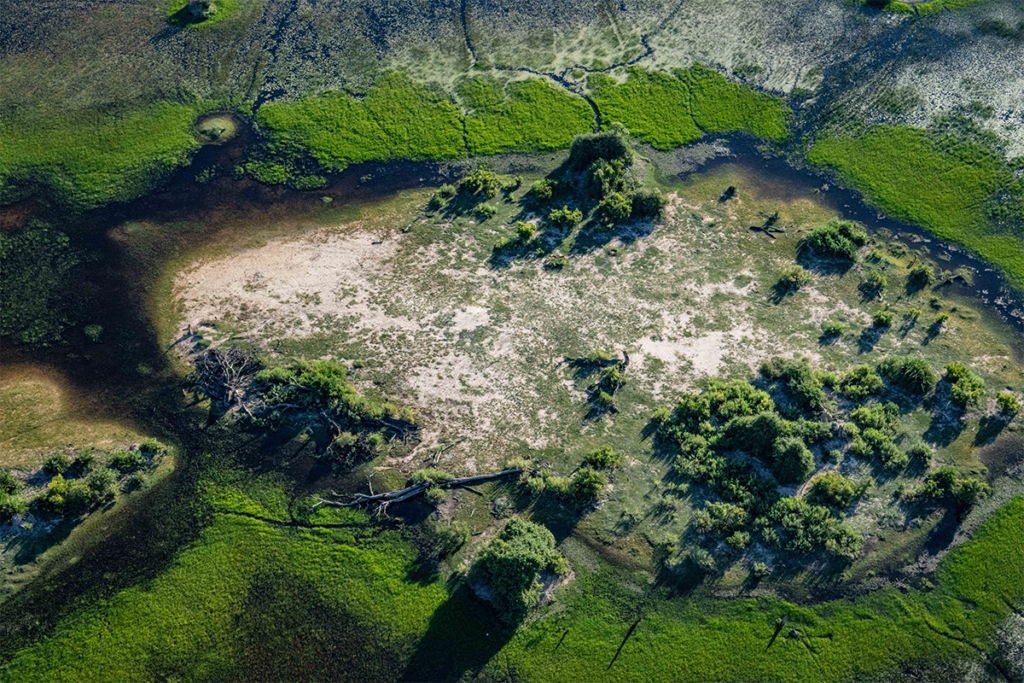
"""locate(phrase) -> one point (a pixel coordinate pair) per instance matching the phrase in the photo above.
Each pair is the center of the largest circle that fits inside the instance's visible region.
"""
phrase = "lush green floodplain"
(535, 116)
(354, 603)
(914, 175)
(667, 111)
(87, 159)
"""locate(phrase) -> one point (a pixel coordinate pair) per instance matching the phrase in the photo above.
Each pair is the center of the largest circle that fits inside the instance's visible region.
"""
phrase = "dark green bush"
(791, 461)
(648, 204)
(9, 484)
(102, 482)
(720, 518)
(615, 208)
(585, 487)
(913, 375)
(805, 528)
(802, 386)
(610, 144)
(446, 539)
(602, 458)
(1008, 403)
(542, 191)
(482, 182)
(58, 463)
(920, 276)
(831, 328)
(126, 461)
(967, 387)
(509, 566)
(837, 239)
(860, 382)
(834, 490)
(565, 216)
(883, 318)
(793, 278)
(10, 505)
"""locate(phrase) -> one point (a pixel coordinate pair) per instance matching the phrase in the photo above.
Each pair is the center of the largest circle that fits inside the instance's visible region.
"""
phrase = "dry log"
(411, 491)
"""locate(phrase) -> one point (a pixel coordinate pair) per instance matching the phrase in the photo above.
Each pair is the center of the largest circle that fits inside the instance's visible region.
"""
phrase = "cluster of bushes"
(836, 240)
(90, 486)
(912, 375)
(580, 491)
(946, 486)
(871, 430)
(510, 563)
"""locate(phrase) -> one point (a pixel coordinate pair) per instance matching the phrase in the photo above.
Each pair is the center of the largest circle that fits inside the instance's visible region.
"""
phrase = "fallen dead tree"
(384, 499)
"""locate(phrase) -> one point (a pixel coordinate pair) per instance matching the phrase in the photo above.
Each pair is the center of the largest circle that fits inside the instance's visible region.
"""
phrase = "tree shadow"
(869, 337)
(463, 635)
(990, 427)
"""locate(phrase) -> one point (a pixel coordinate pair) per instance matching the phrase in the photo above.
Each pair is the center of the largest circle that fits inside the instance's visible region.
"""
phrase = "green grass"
(251, 601)
(654, 106)
(398, 119)
(668, 111)
(905, 172)
(717, 640)
(720, 106)
(536, 116)
(92, 158)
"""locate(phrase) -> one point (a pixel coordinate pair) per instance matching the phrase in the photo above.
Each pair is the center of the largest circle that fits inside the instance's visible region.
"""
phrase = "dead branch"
(412, 491)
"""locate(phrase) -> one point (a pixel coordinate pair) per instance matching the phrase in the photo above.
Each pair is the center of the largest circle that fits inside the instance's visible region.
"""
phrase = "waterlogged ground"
(476, 340)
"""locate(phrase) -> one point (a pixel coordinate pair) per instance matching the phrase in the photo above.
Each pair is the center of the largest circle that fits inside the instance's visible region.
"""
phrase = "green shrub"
(556, 261)
(58, 463)
(920, 276)
(85, 461)
(602, 458)
(739, 540)
(485, 211)
(151, 446)
(481, 182)
(884, 417)
(9, 484)
(920, 454)
(613, 209)
(793, 278)
(648, 204)
(834, 490)
(703, 560)
(805, 528)
(884, 318)
(542, 191)
(10, 505)
(759, 570)
(859, 382)
(791, 461)
(874, 283)
(967, 387)
(1008, 403)
(93, 333)
(447, 191)
(803, 387)
(126, 461)
(435, 495)
(837, 239)
(720, 518)
(102, 483)
(565, 216)
(611, 144)
(831, 328)
(913, 375)
(509, 566)
(585, 487)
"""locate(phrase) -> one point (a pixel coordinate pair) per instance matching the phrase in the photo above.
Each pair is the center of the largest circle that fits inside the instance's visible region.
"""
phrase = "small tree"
(791, 461)
(1008, 403)
(614, 208)
(58, 463)
(509, 566)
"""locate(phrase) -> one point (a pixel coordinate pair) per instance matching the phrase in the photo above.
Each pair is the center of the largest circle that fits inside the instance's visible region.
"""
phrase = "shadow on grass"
(464, 634)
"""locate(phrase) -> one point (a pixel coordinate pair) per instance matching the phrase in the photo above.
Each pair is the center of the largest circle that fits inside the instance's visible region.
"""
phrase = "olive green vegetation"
(936, 179)
(37, 299)
(90, 158)
(671, 110)
(334, 596)
(397, 119)
(536, 116)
